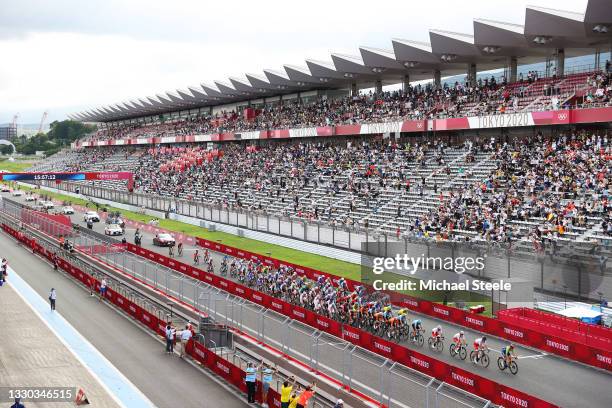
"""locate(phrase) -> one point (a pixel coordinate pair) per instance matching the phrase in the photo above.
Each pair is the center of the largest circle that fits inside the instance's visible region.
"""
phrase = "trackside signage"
(606, 360)
(276, 306)
(384, 348)
(420, 362)
(557, 345)
(501, 121)
(348, 334)
(322, 323)
(516, 333)
(473, 321)
(298, 314)
(514, 400)
(443, 312)
(463, 379)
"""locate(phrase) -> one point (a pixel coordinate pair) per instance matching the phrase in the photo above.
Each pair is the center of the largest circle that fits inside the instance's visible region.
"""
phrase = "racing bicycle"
(484, 357)
(436, 343)
(458, 350)
(502, 364)
(417, 338)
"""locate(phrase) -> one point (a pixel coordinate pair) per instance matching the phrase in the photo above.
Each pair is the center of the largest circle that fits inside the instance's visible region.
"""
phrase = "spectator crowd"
(537, 187)
(488, 96)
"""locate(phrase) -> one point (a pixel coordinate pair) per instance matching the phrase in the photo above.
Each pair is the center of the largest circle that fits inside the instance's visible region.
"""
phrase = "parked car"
(30, 197)
(48, 205)
(115, 220)
(17, 193)
(68, 210)
(113, 229)
(164, 239)
(91, 216)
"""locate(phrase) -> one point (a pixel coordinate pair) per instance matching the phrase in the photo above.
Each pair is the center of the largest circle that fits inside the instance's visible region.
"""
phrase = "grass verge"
(14, 166)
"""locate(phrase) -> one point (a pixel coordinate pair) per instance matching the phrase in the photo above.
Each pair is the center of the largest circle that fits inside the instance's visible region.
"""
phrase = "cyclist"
(459, 339)
(379, 316)
(196, 257)
(396, 322)
(354, 312)
(373, 308)
(480, 346)
(416, 327)
(507, 353)
(436, 334)
(331, 309)
(402, 316)
(360, 290)
(303, 291)
(387, 312)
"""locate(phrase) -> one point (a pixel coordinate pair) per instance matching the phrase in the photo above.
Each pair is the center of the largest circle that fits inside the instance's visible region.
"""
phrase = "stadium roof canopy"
(492, 45)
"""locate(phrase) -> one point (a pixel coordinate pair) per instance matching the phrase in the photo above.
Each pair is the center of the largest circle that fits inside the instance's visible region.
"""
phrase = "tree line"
(60, 135)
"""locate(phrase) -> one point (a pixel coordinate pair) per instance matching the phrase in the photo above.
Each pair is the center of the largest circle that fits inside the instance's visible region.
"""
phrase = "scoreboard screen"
(39, 176)
(42, 176)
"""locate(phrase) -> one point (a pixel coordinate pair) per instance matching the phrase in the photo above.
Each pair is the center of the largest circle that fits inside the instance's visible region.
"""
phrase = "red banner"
(494, 121)
(328, 325)
(559, 326)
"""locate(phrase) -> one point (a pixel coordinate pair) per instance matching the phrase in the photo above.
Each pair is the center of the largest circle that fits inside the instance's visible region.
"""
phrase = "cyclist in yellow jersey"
(402, 316)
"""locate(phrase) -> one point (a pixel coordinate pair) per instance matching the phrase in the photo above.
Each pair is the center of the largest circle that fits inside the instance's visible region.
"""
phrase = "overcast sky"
(67, 55)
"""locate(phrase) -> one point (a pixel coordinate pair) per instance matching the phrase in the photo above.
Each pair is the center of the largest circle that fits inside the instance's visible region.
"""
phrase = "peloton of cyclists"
(336, 299)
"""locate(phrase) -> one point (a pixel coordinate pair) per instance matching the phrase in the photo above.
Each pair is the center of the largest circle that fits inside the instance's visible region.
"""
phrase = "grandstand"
(510, 155)
(585, 89)
(395, 188)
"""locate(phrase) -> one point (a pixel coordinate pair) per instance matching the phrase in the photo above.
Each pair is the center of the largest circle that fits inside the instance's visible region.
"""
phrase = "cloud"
(67, 54)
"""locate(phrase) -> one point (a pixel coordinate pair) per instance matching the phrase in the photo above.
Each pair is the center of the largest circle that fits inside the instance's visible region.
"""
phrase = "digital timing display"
(89, 175)
(42, 176)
